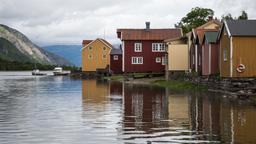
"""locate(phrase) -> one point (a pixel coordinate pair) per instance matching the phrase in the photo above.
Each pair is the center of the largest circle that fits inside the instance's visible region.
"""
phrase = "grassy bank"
(179, 85)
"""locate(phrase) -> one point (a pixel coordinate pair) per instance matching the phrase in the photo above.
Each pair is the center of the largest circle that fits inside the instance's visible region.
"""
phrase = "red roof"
(151, 34)
(86, 42)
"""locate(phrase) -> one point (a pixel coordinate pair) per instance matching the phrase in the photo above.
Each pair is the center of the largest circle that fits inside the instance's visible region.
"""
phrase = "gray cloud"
(69, 22)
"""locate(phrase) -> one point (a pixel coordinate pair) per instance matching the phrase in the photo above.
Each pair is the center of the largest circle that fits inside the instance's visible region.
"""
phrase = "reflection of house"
(116, 88)
(177, 55)
(178, 108)
(238, 48)
(95, 55)
(196, 47)
(95, 91)
(143, 104)
(144, 49)
(116, 61)
(210, 53)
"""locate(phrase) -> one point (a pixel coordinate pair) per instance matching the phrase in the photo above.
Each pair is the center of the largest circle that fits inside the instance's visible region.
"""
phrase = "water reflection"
(62, 110)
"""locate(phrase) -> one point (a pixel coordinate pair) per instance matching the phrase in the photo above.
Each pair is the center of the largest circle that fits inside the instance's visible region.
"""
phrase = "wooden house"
(238, 48)
(177, 56)
(196, 47)
(116, 61)
(210, 53)
(95, 55)
(144, 49)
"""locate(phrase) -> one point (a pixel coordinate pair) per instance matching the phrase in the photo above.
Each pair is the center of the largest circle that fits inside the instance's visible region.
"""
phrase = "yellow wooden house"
(95, 55)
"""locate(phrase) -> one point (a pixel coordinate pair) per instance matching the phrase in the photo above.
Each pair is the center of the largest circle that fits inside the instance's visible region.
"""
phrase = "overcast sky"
(48, 22)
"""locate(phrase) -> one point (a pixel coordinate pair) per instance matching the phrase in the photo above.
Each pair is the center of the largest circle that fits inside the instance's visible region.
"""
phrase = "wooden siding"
(116, 65)
(224, 44)
(244, 52)
(149, 57)
(177, 57)
(210, 63)
(97, 52)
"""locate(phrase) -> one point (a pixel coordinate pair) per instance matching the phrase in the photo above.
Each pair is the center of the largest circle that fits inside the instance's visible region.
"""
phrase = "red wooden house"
(144, 49)
(210, 53)
(196, 46)
(116, 61)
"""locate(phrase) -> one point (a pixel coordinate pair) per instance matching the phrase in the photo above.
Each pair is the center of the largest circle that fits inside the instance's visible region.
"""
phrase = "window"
(158, 47)
(137, 60)
(138, 47)
(104, 56)
(163, 61)
(104, 48)
(193, 59)
(158, 59)
(225, 57)
(90, 48)
(115, 57)
(90, 57)
(199, 60)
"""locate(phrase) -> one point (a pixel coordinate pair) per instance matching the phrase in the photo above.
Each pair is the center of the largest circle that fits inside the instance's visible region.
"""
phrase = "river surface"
(61, 110)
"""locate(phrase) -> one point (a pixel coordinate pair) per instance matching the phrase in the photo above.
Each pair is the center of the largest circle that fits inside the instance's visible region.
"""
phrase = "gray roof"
(241, 27)
(116, 51)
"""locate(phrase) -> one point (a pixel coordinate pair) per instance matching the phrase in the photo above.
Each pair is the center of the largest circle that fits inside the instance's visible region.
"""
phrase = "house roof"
(200, 33)
(86, 42)
(209, 23)
(151, 34)
(116, 51)
(211, 36)
(100, 39)
(241, 27)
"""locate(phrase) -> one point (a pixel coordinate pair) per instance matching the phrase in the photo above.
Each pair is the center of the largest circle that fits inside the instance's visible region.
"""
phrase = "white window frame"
(163, 61)
(158, 59)
(225, 55)
(137, 60)
(137, 47)
(115, 57)
(158, 47)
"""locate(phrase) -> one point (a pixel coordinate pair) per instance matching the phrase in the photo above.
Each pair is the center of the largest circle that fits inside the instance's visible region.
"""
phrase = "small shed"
(210, 53)
(116, 60)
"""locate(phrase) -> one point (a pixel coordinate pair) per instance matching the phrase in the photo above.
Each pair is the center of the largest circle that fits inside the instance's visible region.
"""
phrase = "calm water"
(60, 110)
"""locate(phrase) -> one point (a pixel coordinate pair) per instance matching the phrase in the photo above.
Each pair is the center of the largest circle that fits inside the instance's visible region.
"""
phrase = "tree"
(243, 16)
(227, 17)
(196, 17)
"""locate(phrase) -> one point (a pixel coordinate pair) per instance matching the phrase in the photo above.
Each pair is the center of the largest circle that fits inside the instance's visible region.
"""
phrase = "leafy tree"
(196, 17)
(243, 16)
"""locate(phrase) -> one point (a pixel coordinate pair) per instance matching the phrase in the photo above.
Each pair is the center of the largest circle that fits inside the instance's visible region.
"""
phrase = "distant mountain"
(70, 52)
(15, 46)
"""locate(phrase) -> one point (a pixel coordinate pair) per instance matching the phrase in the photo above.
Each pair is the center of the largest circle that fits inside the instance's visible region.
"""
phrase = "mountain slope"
(16, 46)
(70, 52)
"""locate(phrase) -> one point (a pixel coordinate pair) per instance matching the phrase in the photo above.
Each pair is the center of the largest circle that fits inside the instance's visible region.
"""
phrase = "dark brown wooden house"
(210, 53)
(116, 61)
(238, 48)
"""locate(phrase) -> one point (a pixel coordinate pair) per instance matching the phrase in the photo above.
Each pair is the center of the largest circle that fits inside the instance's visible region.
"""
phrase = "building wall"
(224, 44)
(177, 57)
(212, 26)
(116, 65)
(244, 52)
(149, 57)
(210, 60)
(97, 61)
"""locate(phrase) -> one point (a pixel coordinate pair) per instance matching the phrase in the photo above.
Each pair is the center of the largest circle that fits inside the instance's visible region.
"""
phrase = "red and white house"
(144, 50)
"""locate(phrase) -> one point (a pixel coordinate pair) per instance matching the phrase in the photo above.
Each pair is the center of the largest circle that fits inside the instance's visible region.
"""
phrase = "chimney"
(210, 18)
(147, 26)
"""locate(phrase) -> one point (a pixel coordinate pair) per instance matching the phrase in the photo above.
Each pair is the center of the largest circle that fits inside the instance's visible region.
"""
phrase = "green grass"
(178, 85)
(115, 77)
